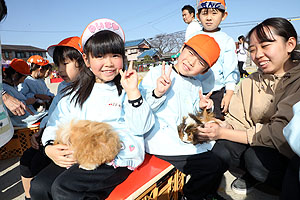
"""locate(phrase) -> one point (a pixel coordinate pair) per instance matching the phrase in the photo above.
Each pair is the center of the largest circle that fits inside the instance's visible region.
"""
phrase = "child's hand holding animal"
(60, 154)
(164, 82)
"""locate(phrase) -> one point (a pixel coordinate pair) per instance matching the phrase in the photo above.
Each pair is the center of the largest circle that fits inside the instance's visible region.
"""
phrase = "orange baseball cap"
(218, 4)
(20, 66)
(101, 25)
(37, 59)
(206, 47)
(68, 42)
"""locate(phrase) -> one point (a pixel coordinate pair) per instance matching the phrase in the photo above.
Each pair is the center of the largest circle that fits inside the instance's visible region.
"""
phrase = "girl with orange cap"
(34, 85)
(13, 76)
(67, 55)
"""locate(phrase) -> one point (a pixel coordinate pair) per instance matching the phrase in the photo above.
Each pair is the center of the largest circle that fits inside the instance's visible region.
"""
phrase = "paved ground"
(11, 186)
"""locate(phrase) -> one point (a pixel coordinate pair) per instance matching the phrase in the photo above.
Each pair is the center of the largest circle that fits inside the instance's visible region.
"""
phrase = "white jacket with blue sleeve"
(105, 105)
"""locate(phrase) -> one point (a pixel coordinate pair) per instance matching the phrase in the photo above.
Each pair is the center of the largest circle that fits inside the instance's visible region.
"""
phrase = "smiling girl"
(97, 95)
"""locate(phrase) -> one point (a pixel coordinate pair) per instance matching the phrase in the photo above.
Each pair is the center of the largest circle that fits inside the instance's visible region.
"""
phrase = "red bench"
(154, 179)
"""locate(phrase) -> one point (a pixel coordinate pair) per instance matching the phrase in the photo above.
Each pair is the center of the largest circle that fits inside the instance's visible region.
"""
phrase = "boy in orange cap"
(13, 76)
(34, 86)
(224, 75)
(173, 93)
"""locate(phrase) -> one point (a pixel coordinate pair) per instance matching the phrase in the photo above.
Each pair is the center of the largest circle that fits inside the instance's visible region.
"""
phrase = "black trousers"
(265, 164)
(291, 185)
(32, 162)
(242, 71)
(217, 97)
(58, 183)
(205, 170)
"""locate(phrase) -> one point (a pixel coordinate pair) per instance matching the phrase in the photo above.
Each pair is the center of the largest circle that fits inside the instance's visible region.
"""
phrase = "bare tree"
(168, 43)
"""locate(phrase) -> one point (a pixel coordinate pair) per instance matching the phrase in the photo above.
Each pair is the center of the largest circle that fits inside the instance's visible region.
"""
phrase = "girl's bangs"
(105, 42)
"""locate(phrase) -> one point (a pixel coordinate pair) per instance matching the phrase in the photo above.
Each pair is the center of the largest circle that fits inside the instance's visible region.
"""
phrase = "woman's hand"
(60, 154)
(164, 82)
(129, 81)
(211, 131)
(205, 101)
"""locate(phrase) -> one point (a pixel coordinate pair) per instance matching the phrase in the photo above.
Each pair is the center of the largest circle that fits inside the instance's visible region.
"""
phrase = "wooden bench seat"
(154, 179)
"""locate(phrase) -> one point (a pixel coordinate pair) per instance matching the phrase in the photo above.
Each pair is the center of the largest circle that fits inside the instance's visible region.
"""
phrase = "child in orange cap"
(173, 93)
(105, 93)
(67, 55)
(221, 80)
(13, 76)
(34, 86)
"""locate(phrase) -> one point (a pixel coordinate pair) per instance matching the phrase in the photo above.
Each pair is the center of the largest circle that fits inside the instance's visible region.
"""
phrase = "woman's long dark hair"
(101, 43)
(281, 27)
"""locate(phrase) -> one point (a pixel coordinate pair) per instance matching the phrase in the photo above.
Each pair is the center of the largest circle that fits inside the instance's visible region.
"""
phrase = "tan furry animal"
(93, 143)
(188, 127)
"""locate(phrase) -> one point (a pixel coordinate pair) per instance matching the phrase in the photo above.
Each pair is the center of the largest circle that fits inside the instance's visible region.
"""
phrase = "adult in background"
(188, 15)
(13, 104)
(242, 56)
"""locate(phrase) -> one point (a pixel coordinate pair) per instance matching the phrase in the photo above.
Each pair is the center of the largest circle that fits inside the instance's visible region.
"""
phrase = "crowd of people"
(255, 128)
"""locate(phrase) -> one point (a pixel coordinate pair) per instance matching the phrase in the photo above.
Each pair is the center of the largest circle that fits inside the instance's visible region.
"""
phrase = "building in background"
(134, 48)
(21, 51)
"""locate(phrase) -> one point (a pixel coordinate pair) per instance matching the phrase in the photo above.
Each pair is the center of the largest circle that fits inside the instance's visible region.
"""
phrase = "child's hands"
(60, 154)
(205, 101)
(129, 81)
(164, 82)
(226, 100)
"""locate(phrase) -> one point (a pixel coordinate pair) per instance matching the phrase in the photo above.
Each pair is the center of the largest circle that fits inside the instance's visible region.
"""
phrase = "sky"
(42, 23)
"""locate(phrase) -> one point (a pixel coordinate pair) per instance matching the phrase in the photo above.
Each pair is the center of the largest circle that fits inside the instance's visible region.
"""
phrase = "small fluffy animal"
(188, 127)
(93, 143)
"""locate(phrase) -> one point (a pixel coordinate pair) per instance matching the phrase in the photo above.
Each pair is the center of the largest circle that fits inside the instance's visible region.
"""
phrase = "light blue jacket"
(105, 105)
(27, 119)
(54, 102)
(32, 86)
(180, 99)
(292, 131)
(224, 73)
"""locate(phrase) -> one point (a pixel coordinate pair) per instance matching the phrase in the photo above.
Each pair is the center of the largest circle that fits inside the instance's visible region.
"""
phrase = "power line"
(153, 22)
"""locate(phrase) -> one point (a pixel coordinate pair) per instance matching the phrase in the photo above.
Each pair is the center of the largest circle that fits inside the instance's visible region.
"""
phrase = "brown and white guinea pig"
(188, 127)
(94, 143)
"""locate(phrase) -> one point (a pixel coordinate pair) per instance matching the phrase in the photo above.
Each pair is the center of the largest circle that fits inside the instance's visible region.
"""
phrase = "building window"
(35, 53)
(20, 55)
(6, 55)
